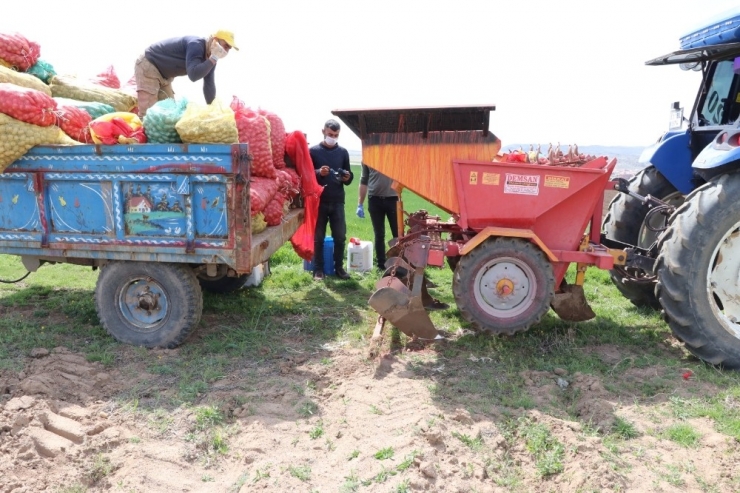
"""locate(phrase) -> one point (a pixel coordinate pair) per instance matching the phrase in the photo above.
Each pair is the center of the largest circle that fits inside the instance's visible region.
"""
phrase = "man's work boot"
(341, 273)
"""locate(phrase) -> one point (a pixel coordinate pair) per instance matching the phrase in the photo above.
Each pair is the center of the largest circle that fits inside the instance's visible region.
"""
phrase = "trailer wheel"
(222, 284)
(625, 222)
(148, 304)
(504, 285)
(698, 268)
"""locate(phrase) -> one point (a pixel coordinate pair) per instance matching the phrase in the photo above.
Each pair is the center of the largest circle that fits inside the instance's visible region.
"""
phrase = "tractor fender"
(717, 155)
(508, 232)
(671, 156)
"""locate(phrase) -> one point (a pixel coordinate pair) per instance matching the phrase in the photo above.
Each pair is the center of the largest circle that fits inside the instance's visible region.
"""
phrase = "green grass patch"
(301, 472)
(384, 453)
(548, 452)
(474, 444)
(683, 434)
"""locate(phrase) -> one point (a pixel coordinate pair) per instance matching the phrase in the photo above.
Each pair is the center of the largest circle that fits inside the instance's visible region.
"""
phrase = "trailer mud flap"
(403, 307)
(571, 305)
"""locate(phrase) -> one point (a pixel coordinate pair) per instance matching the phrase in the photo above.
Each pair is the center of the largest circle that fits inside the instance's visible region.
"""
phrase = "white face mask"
(217, 49)
(330, 141)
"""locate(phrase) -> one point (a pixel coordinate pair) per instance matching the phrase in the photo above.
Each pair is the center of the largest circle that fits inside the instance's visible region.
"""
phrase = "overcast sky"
(570, 71)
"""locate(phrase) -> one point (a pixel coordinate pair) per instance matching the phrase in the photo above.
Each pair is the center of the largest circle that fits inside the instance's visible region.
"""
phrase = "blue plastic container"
(328, 258)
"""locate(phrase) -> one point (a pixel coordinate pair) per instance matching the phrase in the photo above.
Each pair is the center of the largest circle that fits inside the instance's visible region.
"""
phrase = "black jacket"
(336, 158)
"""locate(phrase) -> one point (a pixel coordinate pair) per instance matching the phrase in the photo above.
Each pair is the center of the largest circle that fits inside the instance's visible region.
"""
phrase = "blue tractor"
(682, 211)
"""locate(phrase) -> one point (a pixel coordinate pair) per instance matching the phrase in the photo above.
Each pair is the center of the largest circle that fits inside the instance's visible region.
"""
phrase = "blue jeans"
(331, 213)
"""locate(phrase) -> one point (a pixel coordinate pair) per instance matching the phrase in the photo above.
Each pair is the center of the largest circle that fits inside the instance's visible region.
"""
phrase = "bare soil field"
(335, 420)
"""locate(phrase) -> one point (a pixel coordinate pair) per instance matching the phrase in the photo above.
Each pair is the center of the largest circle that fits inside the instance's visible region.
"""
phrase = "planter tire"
(147, 303)
(503, 286)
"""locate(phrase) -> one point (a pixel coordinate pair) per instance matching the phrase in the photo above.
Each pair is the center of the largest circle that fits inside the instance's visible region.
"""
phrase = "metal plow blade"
(403, 307)
(571, 304)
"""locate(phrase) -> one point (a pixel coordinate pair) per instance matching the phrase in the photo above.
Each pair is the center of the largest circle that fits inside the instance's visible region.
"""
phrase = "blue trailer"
(160, 221)
(690, 233)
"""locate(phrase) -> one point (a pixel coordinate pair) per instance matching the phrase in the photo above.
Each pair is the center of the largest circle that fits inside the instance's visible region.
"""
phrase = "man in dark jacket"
(189, 55)
(331, 163)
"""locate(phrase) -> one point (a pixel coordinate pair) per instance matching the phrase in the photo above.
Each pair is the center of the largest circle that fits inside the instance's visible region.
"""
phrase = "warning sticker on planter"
(491, 178)
(522, 184)
(557, 181)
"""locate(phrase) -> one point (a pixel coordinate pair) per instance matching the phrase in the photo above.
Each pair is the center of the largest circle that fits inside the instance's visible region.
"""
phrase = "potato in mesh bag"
(17, 137)
(65, 86)
(23, 80)
(95, 110)
(208, 124)
(258, 223)
(43, 71)
(160, 120)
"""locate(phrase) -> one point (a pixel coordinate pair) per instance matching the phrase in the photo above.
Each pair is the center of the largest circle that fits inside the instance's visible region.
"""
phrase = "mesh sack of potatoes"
(43, 71)
(65, 86)
(160, 120)
(28, 105)
(17, 137)
(208, 124)
(95, 110)
(74, 122)
(254, 129)
(18, 51)
(23, 80)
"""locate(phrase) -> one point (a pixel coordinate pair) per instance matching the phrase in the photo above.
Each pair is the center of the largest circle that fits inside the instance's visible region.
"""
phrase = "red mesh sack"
(261, 192)
(294, 178)
(274, 210)
(117, 131)
(297, 149)
(277, 138)
(254, 130)
(285, 183)
(19, 51)
(27, 105)
(75, 122)
(107, 78)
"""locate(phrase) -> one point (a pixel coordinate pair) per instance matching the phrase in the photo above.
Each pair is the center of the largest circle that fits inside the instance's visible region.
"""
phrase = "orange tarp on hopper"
(424, 164)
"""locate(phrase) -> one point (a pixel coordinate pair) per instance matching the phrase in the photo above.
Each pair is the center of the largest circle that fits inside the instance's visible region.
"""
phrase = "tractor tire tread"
(682, 266)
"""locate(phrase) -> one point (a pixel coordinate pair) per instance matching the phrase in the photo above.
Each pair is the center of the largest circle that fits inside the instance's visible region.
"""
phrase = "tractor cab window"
(721, 101)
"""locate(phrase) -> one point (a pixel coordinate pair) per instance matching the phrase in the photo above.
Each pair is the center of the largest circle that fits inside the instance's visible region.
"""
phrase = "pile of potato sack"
(38, 106)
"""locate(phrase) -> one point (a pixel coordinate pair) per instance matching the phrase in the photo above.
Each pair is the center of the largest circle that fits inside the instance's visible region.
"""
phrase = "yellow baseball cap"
(227, 36)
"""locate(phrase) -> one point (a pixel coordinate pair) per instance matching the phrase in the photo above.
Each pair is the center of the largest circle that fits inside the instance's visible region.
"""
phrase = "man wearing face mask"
(331, 163)
(193, 56)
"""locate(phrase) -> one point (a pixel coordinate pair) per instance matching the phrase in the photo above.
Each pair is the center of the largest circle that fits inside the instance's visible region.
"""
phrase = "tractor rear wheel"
(504, 285)
(698, 270)
(626, 222)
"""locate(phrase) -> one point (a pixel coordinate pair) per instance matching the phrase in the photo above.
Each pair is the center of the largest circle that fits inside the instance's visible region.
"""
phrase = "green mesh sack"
(95, 110)
(160, 120)
(43, 70)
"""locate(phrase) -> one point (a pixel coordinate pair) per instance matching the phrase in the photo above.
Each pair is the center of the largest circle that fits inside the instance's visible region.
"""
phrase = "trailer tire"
(698, 267)
(147, 303)
(625, 222)
(498, 264)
